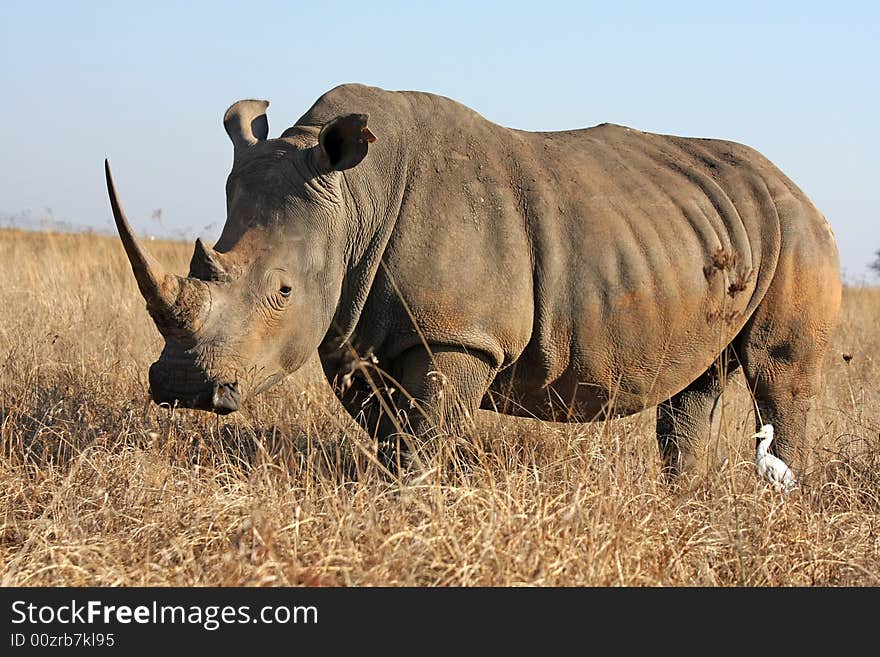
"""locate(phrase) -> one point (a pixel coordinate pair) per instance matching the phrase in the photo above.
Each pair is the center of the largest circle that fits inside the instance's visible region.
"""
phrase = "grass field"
(98, 486)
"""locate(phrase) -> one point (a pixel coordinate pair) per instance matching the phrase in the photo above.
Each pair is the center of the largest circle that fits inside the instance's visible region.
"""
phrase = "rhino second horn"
(158, 288)
(206, 264)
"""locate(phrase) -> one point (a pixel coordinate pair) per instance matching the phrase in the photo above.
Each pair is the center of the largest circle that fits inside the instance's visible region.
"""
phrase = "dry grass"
(99, 487)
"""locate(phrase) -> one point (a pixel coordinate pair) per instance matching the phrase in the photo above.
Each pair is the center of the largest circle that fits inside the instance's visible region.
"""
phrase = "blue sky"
(147, 83)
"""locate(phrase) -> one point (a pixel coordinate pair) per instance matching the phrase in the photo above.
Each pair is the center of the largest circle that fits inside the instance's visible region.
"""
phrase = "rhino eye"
(284, 291)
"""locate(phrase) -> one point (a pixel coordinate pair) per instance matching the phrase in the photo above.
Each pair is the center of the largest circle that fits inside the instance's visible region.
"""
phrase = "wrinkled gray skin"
(559, 275)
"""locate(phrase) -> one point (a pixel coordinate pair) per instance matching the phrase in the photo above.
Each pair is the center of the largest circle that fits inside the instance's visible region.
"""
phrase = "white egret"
(770, 467)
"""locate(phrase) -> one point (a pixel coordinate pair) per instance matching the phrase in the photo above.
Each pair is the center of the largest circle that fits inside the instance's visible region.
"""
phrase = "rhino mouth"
(184, 388)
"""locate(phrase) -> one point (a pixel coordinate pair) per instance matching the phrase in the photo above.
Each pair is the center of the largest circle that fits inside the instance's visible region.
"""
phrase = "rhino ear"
(246, 123)
(344, 141)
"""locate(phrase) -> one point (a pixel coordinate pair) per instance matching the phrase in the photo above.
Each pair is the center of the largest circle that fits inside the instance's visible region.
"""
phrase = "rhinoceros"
(565, 276)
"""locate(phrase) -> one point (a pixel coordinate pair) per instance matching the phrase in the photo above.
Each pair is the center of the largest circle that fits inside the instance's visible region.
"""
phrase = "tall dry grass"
(100, 487)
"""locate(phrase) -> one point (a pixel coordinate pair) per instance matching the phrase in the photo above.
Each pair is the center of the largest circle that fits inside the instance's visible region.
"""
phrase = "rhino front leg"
(440, 391)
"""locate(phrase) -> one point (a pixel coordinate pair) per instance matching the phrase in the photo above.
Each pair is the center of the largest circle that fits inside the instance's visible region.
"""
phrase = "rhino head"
(255, 306)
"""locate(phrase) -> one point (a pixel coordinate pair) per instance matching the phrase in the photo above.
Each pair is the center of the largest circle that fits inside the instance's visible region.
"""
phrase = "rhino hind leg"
(781, 349)
(686, 416)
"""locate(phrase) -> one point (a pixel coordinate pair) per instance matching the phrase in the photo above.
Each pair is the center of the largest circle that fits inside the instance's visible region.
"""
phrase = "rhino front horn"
(158, 288)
